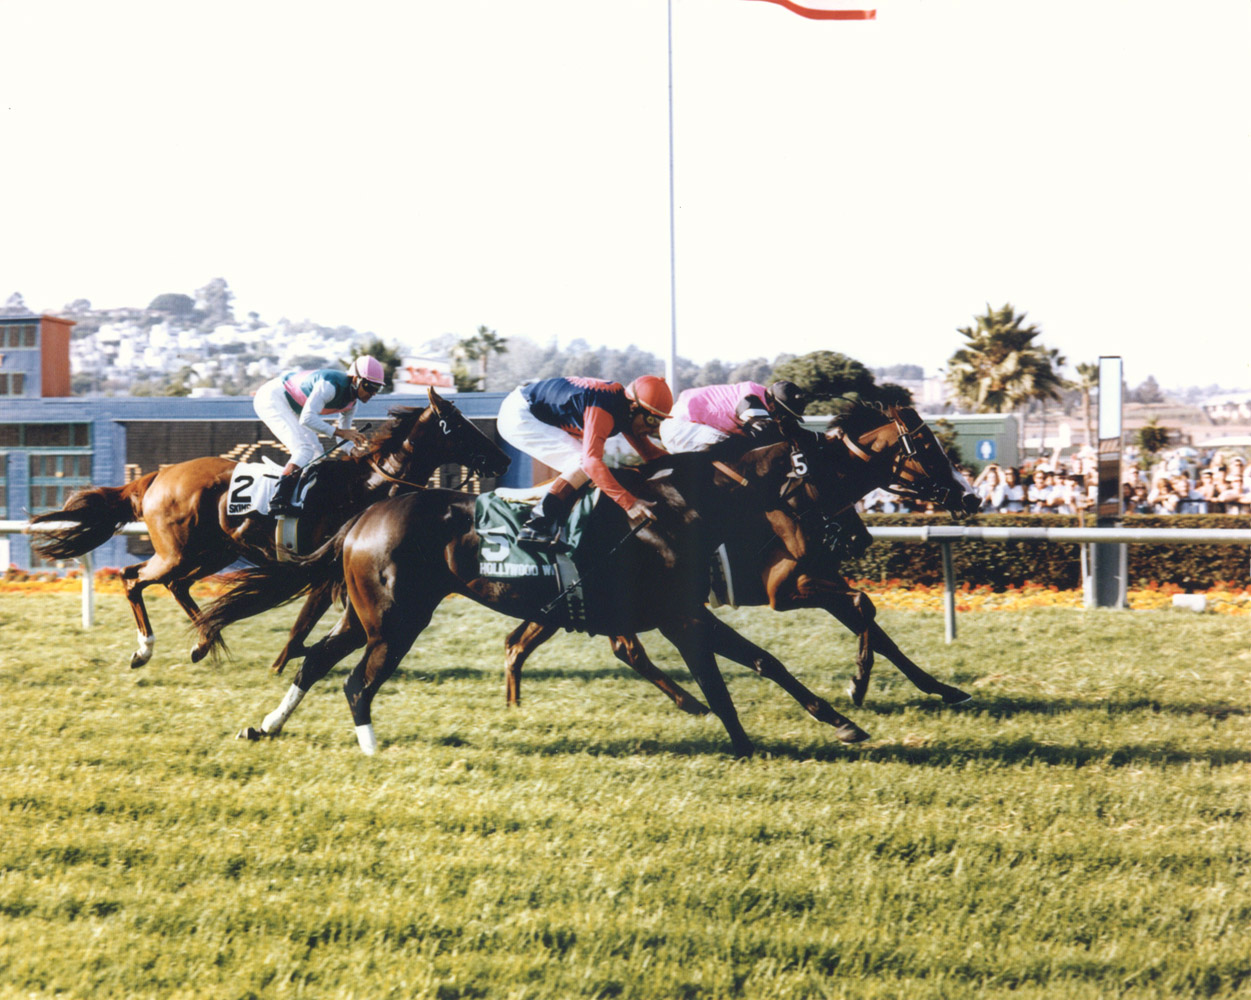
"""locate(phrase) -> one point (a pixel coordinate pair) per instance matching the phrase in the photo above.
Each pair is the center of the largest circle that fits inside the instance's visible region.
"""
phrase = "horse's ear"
(435, 399)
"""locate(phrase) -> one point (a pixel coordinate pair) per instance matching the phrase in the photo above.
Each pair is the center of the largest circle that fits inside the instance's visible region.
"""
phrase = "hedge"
(1006, 564)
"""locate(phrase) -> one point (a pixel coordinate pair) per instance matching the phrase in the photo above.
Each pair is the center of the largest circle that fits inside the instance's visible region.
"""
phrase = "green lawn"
(1079, 831)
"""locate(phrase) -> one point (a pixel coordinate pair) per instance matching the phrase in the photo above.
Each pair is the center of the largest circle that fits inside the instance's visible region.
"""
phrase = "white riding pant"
(529, 435)
(270, 404)
(681, 433)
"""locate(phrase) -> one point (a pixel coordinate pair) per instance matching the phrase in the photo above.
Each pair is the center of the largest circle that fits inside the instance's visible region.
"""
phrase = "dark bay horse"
(184, 508)
(401, 557)
(796, 570)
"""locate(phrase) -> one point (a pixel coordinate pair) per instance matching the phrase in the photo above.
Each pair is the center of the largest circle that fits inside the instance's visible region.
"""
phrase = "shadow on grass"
(1015, 752)
(1008, 708)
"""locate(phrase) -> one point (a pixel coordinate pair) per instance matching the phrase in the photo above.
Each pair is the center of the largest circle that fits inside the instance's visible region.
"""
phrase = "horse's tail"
(91, 517)
(263, 588)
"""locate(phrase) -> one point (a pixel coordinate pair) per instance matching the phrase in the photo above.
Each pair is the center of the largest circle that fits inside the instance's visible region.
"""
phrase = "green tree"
(946, 434)
(1001, 368)
(1152, 439)
(390, 356)
(174, 303)
(1148, 392)
(481, 346)
(216, 301)
(830, 374)
(1087, 380)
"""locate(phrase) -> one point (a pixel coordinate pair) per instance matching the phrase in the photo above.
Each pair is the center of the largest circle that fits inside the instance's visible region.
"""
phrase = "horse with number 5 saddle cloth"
(398, 560)
(790, 563)
(202, 515)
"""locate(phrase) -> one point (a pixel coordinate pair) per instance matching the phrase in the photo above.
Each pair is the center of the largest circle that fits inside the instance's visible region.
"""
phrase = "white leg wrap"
(365, 737)
(276, 719)
(147, 643)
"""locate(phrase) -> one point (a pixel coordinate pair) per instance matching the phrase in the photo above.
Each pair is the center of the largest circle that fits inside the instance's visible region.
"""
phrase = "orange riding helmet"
(652, 393)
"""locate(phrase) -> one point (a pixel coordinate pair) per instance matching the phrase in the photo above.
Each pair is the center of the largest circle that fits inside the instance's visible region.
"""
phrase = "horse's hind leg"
(181, 589)
(521, 642)
(316, 604)
(134, 580)
(731, 645)
(629, 651)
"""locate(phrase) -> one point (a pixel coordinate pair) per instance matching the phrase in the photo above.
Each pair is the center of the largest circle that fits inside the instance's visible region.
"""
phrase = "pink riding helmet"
(368, 368)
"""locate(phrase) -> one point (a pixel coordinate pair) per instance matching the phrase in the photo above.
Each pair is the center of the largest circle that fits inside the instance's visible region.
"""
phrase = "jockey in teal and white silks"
(295, 405)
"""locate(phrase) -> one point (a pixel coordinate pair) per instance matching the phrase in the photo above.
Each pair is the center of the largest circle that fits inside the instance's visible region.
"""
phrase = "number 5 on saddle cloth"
(551, 576)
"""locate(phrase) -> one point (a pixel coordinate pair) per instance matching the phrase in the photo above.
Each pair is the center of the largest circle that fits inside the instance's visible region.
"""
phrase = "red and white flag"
(822, 12)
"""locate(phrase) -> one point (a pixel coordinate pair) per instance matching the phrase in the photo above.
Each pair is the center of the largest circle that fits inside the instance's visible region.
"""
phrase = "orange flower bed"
(897, 595)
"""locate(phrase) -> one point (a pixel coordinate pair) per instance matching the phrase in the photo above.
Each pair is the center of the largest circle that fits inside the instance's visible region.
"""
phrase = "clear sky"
(421, 168)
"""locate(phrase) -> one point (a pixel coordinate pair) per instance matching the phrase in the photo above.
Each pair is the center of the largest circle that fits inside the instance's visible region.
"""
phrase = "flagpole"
(671, 362)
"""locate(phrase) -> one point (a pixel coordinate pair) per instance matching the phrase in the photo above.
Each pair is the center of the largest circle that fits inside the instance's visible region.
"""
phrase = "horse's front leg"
(629, 651)
(346, 636)
(691, 636)
(855, 611)
(728, 643)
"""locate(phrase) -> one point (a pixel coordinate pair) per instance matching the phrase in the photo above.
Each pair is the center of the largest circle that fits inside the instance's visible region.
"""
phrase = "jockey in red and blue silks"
(564, 423)
(295, 405)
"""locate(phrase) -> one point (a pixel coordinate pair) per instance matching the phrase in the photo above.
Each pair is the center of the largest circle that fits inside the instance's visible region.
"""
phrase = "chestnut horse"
(184, 508)
(401, 557)
(795, 569)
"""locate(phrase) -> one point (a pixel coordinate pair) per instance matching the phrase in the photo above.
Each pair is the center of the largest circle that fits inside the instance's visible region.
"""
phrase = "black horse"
(787, 563)
(401, 557)
(185, 509)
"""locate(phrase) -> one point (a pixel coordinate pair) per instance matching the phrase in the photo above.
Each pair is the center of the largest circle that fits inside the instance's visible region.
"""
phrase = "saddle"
(252, 487)
(552, 579)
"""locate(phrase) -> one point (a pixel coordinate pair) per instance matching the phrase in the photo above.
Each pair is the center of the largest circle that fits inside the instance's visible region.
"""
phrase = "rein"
(373, 464)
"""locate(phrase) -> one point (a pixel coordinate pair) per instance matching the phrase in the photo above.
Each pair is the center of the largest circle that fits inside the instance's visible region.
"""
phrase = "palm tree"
(1088, 379)
(1001, 369)
(481, 346)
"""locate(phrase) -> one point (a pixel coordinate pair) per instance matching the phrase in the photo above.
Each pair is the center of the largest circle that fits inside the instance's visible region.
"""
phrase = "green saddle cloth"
(546, 576)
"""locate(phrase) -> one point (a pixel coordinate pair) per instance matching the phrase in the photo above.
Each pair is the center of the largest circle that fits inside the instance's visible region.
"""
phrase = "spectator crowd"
(1179, 482)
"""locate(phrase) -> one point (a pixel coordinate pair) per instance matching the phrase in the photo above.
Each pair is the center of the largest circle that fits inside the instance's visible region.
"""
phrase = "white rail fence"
(942, 535)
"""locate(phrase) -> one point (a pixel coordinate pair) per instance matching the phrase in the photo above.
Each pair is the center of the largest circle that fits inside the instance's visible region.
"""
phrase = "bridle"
(914, 444)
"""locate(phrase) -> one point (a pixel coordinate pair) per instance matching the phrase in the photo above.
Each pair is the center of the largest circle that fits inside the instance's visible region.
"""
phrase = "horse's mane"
(855, 416)
(403, 419)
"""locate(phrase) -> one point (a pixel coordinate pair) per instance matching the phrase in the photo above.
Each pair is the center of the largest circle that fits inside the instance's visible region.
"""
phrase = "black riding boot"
(542, 531)
(281, 505)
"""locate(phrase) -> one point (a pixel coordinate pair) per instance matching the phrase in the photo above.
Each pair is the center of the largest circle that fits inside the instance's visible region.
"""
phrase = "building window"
(19, 335)
(54, 476)
(12, 383)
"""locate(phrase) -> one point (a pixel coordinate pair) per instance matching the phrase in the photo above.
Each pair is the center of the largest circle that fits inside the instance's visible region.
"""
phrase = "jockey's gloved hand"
(641, 510)
(758, 427)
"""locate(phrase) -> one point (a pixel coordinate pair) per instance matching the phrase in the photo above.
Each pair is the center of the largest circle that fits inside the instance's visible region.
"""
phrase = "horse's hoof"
(956, 697)
(198, 653)
(855, 694)
(138, 659)
(851, 733)
(365, 737)
(692, 706)
(250, 733)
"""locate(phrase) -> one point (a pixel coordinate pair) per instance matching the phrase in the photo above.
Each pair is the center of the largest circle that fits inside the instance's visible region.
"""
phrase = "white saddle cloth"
(252, 486)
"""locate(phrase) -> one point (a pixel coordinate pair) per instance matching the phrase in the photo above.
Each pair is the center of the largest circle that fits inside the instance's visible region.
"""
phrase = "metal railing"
(943, 535)
(946, 535)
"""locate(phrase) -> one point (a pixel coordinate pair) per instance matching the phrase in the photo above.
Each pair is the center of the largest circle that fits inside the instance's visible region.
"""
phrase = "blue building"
(52, 443)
